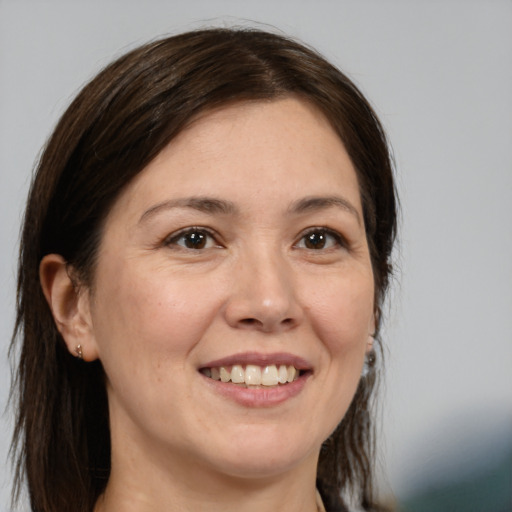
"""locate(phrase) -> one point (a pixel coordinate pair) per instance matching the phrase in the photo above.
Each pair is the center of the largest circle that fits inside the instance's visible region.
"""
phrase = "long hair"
(113, 129)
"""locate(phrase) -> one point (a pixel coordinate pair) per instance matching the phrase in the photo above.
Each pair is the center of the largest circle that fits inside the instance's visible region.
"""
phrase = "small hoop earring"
(78, 351)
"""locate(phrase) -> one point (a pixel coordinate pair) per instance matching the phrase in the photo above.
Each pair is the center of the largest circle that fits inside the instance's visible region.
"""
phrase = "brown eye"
(195, 239)
(315, 240)
(319, 239)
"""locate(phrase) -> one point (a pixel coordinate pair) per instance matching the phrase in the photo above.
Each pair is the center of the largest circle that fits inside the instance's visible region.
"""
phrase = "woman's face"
(239, 253)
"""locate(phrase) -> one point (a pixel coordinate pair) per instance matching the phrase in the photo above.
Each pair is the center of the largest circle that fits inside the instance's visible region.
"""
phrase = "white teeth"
(269, 375)
(291, 373)
(237, 374)
(283, 374)
(224, 375)
(254, 375)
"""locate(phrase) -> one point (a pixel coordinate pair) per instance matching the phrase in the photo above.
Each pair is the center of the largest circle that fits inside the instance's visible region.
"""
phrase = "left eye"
(193, 239)
(319, 239)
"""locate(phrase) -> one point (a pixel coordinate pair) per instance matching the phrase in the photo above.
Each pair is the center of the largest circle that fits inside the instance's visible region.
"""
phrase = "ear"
(69, 305)
(371, 334)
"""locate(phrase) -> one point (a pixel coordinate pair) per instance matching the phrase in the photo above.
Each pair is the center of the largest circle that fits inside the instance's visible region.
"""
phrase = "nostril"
(254, 323)
(249, 321)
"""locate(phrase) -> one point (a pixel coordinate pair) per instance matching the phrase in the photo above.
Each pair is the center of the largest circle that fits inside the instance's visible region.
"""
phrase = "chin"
(262, 467)
(260, 452)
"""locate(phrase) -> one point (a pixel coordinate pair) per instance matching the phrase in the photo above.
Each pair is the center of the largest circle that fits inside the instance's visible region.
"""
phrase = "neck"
(211, 493)
(143, 480)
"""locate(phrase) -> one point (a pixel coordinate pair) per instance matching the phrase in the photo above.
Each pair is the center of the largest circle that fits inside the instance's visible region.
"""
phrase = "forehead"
(284, 148)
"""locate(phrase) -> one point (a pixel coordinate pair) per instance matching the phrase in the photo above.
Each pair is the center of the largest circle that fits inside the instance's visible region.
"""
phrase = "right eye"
(193, 238)
(318, 239)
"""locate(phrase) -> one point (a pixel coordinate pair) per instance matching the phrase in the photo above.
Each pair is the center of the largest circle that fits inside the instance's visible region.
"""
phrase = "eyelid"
(171, 240)
(338, 237)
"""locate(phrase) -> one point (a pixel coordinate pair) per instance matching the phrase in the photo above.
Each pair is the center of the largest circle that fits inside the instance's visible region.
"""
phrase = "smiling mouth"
(253, 375)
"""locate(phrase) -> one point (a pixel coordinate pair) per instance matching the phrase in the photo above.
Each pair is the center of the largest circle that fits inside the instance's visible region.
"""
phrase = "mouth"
(257, 380)
(255, 376)
(256, 370)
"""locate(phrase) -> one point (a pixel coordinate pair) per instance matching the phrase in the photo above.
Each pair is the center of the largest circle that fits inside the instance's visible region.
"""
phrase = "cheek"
(342, 311)
(146, 327)
(149, 318)
(341, 316)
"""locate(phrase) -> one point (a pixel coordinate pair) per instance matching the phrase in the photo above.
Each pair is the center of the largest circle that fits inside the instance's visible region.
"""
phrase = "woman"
(204, 256)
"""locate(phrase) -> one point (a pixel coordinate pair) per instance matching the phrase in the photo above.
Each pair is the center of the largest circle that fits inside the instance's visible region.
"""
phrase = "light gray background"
(440, 75)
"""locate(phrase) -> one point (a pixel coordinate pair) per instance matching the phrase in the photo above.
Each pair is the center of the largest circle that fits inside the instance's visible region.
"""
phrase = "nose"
(264, 296)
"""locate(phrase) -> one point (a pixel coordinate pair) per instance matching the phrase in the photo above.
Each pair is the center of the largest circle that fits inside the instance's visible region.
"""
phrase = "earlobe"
(369, 343)
(371, 335)
(69, 306)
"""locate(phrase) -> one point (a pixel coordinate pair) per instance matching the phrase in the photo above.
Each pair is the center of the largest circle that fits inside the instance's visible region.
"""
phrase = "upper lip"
(260, 359)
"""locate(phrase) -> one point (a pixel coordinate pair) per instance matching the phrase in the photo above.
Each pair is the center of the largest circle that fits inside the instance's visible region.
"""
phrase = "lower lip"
(258, 397)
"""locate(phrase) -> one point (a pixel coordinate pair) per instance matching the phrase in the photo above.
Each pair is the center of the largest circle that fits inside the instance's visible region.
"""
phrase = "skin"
(160, 310)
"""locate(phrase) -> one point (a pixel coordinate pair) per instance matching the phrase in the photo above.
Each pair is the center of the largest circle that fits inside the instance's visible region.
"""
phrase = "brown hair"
(117, 124)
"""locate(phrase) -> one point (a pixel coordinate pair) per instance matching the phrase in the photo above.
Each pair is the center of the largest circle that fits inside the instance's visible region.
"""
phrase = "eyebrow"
(316, 203)
(220, 206)
(202, 204)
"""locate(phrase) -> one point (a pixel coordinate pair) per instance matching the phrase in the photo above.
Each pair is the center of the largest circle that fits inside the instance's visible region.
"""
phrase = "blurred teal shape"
(488, 491)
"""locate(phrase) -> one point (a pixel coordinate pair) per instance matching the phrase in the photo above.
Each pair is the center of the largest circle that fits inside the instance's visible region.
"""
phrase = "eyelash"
(205, 234)
(175, 237)
(339, 240)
